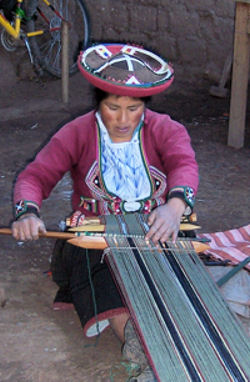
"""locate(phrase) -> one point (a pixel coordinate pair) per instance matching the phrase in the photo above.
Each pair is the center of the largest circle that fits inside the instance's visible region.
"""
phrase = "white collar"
(106, 135)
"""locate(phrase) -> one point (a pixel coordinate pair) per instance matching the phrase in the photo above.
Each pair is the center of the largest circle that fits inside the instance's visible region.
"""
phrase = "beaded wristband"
(24, 207)
(187, 195)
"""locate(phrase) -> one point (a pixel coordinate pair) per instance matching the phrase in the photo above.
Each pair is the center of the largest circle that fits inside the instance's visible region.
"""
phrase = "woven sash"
(185, 326)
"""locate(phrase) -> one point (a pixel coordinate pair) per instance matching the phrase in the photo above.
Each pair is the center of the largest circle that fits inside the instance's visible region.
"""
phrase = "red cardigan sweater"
(165, 146)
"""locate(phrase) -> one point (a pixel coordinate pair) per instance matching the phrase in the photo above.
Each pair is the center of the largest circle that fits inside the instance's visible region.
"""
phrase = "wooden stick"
(65, 62)
(95, 220)
(238, 102)
(88, 228)
(101, 227)
(99, 242)
(90, 242)
(48, 234)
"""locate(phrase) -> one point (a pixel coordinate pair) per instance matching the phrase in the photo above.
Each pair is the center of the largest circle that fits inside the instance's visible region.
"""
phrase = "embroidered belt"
(118, 206)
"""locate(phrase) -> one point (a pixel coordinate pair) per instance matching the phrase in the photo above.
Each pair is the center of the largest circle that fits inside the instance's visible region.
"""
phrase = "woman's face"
(121, 115)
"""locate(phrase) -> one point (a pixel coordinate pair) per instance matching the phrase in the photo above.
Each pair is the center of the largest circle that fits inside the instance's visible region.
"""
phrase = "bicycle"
(38, 23)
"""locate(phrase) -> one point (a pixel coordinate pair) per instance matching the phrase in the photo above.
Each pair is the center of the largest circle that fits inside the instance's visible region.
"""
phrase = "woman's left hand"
(164, 221)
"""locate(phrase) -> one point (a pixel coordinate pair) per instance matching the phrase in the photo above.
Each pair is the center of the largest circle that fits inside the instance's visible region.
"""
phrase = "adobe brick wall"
(195, 35)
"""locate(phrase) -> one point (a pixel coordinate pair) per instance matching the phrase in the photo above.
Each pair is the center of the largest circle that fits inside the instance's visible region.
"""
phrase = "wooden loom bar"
(90, 240)
(48, 234)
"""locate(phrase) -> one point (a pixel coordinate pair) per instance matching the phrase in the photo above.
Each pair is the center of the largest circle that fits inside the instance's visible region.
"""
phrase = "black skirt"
(85, 281)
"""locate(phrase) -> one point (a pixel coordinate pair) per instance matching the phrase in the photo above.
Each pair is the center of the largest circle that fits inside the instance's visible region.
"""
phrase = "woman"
(122, 158)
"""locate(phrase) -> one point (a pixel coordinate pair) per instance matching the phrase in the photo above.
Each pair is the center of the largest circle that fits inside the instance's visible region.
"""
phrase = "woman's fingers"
(164, 223)
(28, 228)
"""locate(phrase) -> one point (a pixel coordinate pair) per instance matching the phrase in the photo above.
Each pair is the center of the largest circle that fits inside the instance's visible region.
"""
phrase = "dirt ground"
(42, 345)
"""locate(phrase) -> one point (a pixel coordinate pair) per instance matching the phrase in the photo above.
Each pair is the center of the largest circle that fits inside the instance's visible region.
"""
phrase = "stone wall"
(195, 35)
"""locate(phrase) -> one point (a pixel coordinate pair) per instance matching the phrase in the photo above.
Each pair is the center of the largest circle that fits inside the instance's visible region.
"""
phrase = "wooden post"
(65, 62)
(237, 118)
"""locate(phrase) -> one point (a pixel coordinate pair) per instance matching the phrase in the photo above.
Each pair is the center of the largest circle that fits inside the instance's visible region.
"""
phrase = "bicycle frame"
(38, 24)
(14, 31)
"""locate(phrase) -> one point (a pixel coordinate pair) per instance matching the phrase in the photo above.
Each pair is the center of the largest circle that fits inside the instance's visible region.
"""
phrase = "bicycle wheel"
(46, 48)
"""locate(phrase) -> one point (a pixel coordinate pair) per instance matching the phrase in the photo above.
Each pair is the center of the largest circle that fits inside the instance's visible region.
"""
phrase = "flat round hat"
(125, 70)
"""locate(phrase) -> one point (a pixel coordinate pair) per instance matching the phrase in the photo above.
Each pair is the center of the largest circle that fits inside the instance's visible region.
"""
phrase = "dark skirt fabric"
(85, 281)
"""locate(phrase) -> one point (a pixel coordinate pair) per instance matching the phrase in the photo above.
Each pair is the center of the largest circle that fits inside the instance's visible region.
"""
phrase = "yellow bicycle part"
(13, 31)
(35, 33)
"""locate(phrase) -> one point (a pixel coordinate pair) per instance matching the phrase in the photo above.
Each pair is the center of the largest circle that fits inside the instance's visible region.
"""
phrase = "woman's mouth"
(124, 129)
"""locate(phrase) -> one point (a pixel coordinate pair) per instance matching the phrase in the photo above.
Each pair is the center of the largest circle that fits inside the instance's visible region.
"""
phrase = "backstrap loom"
(187, 329)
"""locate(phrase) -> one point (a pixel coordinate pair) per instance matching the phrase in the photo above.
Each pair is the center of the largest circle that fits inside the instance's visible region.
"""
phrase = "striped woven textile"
(233, 245)
(185, 326)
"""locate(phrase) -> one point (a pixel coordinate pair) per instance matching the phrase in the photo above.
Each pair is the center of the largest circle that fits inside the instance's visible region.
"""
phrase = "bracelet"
(187, 195)
(177, 194)
(24, 207)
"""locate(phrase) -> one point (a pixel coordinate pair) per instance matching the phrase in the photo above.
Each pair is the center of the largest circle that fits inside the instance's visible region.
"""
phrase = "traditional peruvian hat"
(125, 70)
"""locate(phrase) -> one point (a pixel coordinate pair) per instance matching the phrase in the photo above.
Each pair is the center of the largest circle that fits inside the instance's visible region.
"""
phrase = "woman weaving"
(122, 158)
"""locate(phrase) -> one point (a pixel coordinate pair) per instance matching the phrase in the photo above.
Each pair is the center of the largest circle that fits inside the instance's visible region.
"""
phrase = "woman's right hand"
(27, 227)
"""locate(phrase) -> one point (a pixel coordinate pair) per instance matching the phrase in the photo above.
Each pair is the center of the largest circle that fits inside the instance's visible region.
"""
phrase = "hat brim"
(131, 90)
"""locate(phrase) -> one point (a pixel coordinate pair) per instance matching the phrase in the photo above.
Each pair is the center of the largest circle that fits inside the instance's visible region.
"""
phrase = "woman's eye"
(112, 107)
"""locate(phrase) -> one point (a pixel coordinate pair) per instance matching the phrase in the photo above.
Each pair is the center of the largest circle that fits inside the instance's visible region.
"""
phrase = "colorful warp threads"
(186, 328)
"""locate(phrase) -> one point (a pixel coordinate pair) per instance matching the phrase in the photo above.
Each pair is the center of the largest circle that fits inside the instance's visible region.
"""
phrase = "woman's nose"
(123, 117)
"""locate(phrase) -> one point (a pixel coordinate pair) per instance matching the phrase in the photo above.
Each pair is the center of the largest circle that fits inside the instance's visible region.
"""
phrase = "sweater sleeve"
(176, 153)
(37, 180)
(180, 160)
